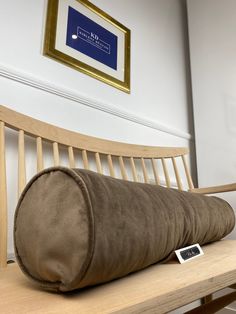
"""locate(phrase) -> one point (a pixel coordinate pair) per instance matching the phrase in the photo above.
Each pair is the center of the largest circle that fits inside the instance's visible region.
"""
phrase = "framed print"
(84, 37)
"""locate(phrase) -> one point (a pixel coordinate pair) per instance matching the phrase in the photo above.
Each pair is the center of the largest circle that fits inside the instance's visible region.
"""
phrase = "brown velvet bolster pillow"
(75, 228)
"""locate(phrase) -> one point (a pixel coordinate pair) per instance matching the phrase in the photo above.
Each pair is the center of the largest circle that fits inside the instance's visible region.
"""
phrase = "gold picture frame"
(81, 35)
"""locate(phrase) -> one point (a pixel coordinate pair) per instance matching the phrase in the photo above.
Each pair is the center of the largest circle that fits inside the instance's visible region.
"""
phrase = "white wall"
(156, 112)
(158, 73)
(212, 31)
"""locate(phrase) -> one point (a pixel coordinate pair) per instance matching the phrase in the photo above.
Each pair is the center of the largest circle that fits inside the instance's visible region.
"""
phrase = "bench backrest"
(148, 164)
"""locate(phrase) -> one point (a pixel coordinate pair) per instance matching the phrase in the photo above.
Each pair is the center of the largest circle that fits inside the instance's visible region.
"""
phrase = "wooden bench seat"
(157, 289)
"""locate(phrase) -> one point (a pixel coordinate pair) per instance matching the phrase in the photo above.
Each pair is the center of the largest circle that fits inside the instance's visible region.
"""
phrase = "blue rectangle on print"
(91, 39)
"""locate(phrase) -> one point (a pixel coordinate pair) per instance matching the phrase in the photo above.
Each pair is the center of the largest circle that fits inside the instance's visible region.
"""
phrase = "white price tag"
(188, 253)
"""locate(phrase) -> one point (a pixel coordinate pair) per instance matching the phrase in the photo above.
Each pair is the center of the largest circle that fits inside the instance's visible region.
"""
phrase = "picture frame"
(84, 37)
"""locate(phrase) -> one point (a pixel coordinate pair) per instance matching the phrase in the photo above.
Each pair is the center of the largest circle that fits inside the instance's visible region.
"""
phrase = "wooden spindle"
(188, 176)
(177, 176)
(110, 165)
(167, 178)
(98, 163)
(3, 199)
(21, 162)
(85, 159)
(155, 172)
(71, 157)
(145, 175)
(122, 168)
(56, 156)
(133, 168)
(39, 144)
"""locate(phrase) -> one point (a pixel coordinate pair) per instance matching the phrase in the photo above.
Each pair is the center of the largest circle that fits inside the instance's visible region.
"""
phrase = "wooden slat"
(21, 162)
(134, 171)
(98, 163)
(122, 168)
(39, 144)
(85, 159)
(53, 134)
(155, 172)
(188, 176)
(145, 175)
(215, 189)
(3, 199)
(56, 156)
(177, 176)
(167, 178)
(110, 165)
(71, 157)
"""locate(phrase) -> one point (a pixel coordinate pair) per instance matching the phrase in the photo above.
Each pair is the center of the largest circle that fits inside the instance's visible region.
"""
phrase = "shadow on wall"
(189, 92)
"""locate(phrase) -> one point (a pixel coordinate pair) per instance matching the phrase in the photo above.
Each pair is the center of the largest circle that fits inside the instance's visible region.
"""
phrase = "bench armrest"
(215, 189)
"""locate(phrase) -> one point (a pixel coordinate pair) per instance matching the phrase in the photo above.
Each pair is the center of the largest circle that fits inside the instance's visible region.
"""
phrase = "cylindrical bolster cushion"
(75, 228)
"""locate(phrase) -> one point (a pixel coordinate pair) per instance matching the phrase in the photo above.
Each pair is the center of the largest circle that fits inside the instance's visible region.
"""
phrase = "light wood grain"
(122, 168)
(67, 138)
(3, 199)
(144, 169)
(71, 157)
(21, 162)
(98, 163)
(166, 173)
(56, 156)
(110, 165)
(157, 289)
(133, 169)
(177, 176)
(39, 144)
(215, 189)
(155, 172)
(85, 159)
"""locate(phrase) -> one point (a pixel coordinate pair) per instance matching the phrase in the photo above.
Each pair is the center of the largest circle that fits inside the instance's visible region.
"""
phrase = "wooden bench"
(157, 289)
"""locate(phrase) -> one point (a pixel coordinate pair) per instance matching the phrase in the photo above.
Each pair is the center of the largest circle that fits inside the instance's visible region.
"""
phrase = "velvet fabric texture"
(75, 228)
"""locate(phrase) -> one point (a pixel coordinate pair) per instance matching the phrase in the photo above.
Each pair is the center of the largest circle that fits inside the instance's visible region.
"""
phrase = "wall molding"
(35, 82)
